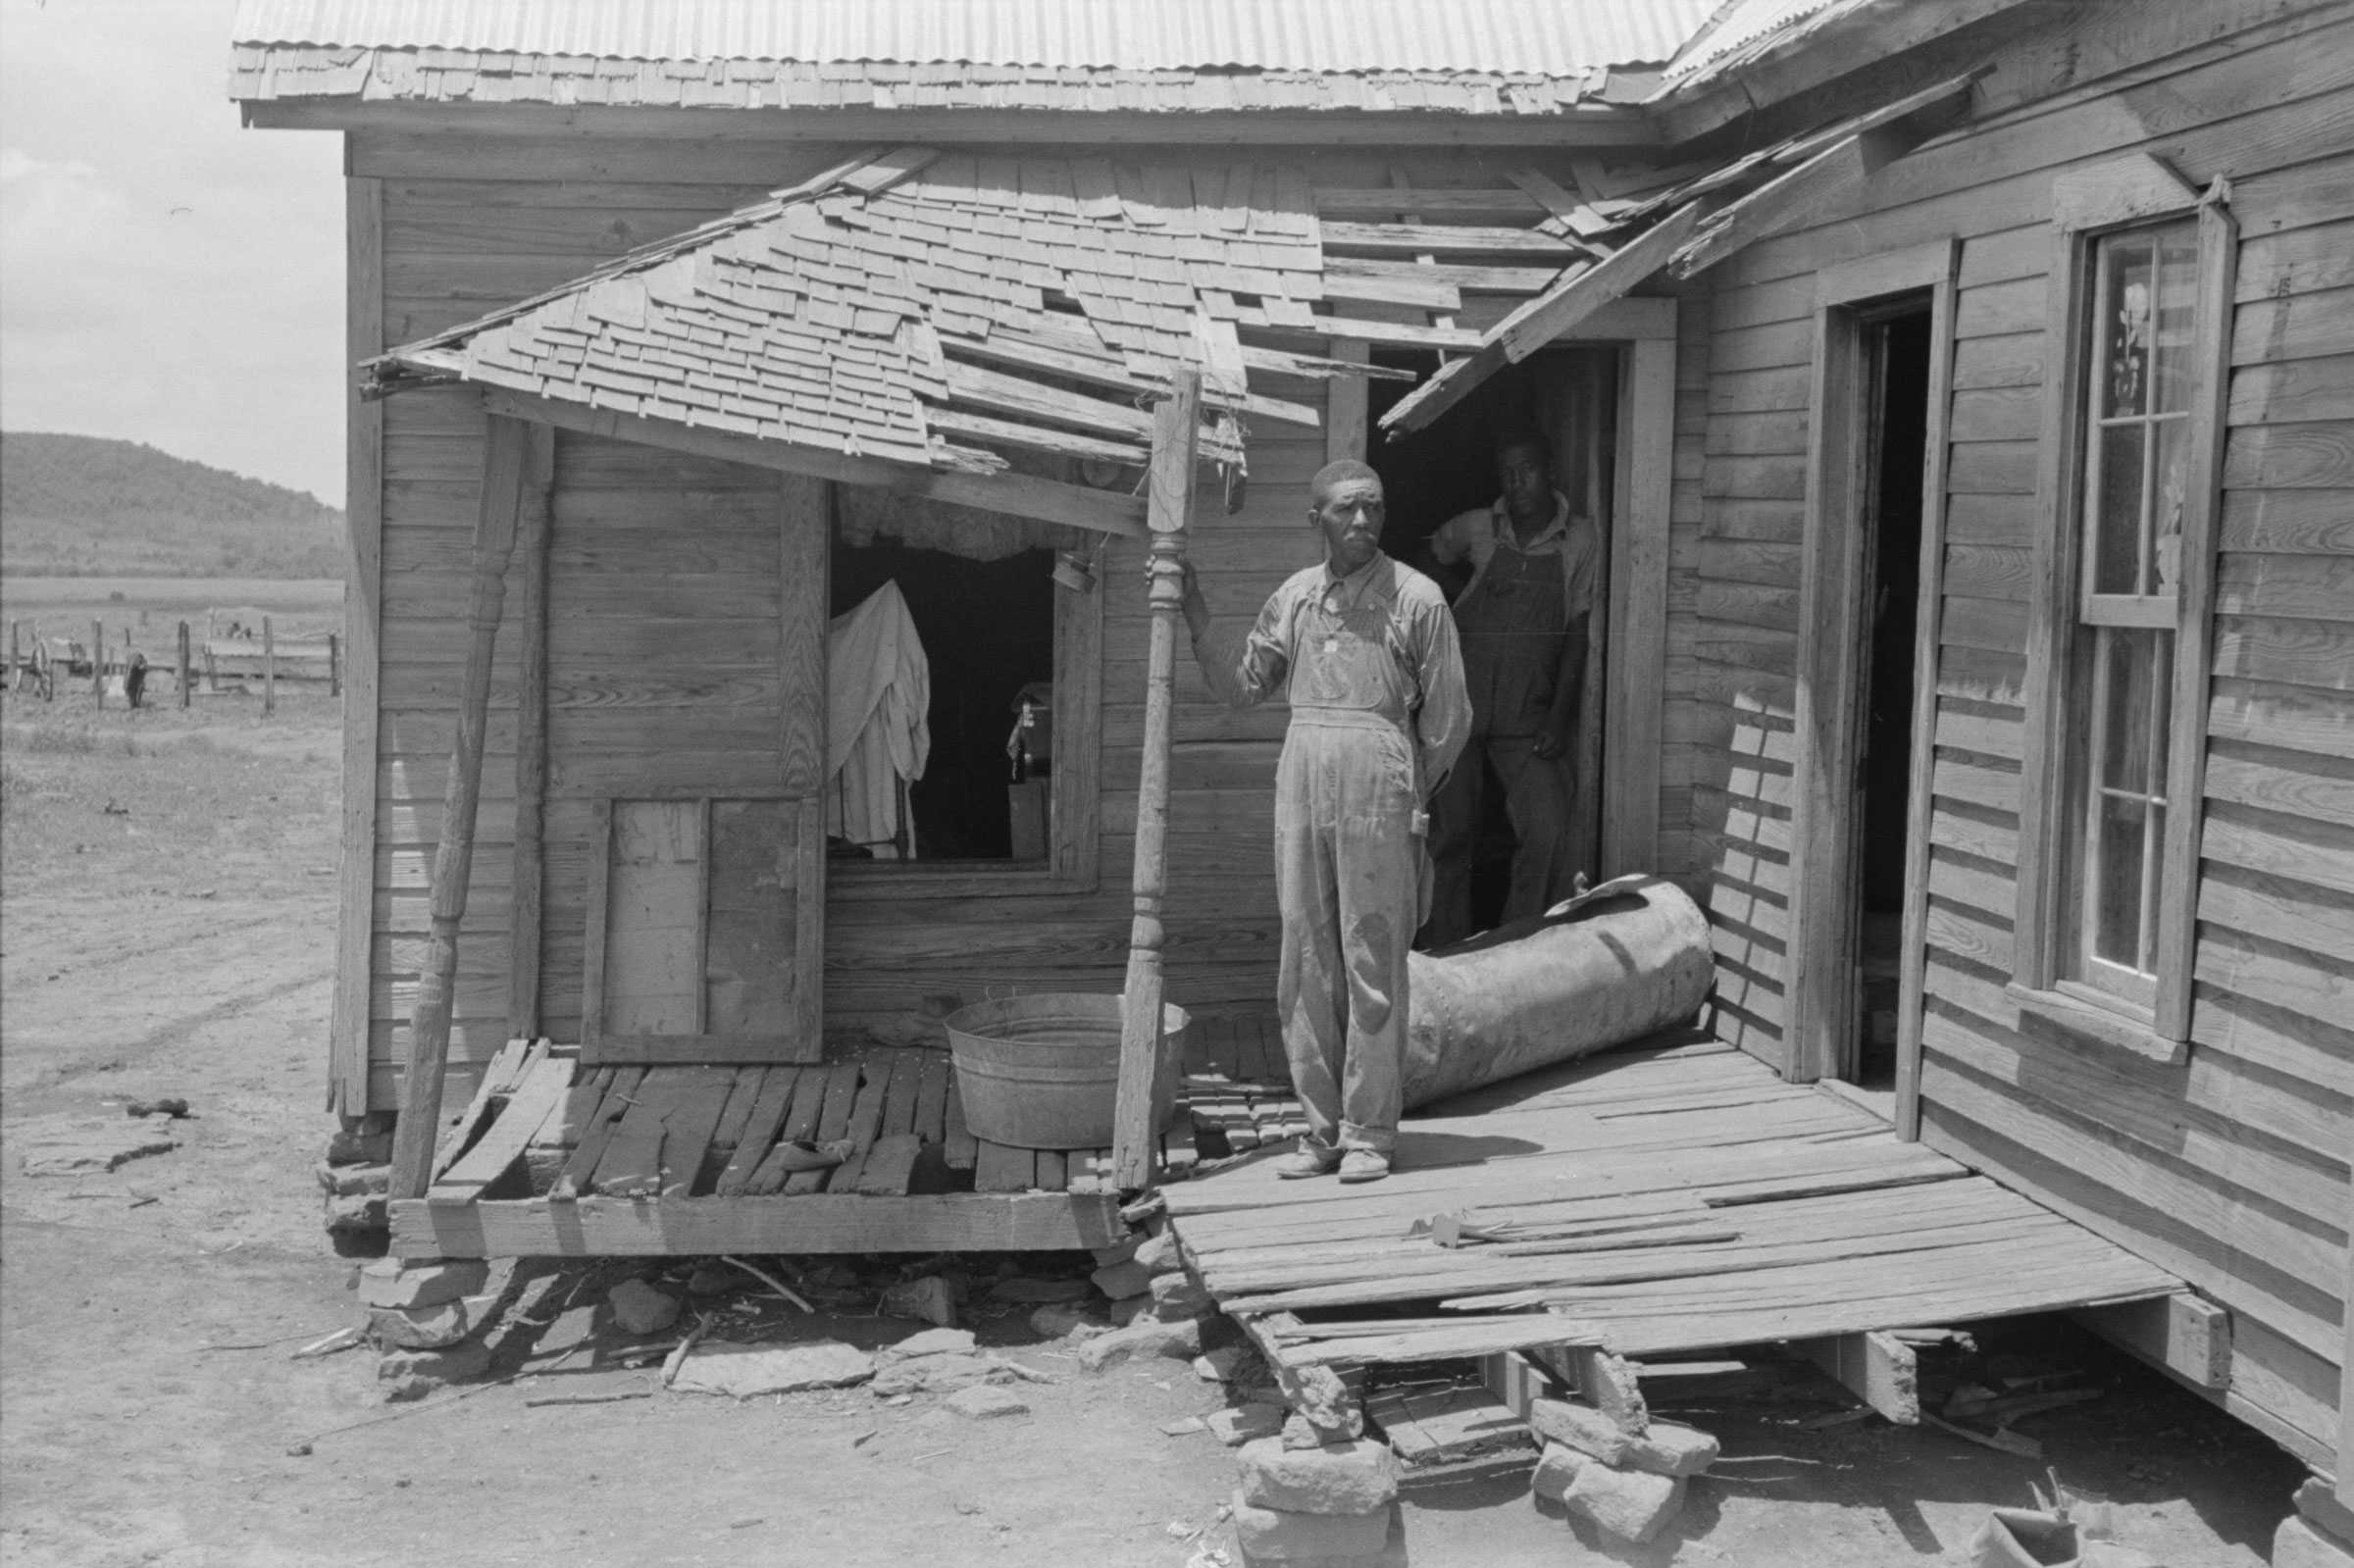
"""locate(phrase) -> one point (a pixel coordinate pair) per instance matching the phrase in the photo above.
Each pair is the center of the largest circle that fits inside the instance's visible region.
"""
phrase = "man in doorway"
(1378, 714)
(1522, 620)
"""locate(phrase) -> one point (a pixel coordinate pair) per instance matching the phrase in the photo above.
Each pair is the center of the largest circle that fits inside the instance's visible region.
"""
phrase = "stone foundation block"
(1349, 1425)
(2300, 1545)
(393, 1282)
(1557, 1468)
(414, 1374)
(1117, 1252)
(1269, 1534)
(353, 1146)
(1581, 1427)
(346, 1180)
(1144, 1338)
(1669, 1449)
(356, 1211)
(1158, 1254)
(1631, 1504)
(1346, 1478)
(1120, 1281)
(1176, 1296)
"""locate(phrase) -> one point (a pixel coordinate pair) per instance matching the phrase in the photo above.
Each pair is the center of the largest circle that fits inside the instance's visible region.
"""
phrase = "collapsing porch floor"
(556, 1158)
(1672, 1198)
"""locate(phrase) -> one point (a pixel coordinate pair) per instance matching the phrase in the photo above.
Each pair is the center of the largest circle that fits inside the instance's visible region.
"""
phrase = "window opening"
(987, 631)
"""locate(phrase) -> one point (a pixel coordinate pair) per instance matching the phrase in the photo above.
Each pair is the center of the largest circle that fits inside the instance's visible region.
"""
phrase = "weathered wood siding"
(2232, 1169)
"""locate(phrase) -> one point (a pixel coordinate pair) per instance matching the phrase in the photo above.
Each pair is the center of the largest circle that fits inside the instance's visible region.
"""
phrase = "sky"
(166, 276)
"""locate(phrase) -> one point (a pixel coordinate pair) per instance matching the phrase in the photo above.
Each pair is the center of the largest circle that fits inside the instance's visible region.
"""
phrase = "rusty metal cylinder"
(1622, 964)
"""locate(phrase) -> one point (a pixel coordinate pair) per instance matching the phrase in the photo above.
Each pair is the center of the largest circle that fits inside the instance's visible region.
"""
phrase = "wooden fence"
(40, 665)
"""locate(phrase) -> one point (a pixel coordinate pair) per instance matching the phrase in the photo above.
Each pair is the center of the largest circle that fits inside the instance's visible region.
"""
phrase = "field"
(167, 906)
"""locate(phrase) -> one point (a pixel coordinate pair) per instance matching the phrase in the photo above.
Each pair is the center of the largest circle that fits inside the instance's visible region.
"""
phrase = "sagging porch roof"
(929, 312)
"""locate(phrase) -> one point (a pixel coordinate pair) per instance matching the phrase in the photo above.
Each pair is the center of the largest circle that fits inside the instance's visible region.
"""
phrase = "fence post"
(268, 670)
(98, 662)
(334, 665)
(184, 663)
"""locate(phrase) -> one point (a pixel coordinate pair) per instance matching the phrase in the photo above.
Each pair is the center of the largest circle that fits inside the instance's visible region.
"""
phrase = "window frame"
(2089, 204)
(1074, 787)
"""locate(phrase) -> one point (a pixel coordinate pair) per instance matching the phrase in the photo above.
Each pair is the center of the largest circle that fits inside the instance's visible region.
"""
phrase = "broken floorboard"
(1672, 1198)
(556, 1158)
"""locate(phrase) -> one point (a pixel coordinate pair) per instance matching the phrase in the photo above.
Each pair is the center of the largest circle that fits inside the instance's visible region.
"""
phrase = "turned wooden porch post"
(503, 462)
(1134, 1126)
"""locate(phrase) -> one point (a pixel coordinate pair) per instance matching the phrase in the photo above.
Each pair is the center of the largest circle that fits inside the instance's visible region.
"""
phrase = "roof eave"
(1583, 126)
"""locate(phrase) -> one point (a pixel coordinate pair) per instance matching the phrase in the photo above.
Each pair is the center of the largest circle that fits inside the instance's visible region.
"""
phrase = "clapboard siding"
(2231, 1167)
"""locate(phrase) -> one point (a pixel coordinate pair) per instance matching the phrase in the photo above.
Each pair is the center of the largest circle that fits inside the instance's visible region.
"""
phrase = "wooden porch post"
(530, 737)
(1175, 422)
(504, 463)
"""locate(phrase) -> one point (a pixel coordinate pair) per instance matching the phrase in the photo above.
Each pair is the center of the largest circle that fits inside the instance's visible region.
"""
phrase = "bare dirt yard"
(166, 929)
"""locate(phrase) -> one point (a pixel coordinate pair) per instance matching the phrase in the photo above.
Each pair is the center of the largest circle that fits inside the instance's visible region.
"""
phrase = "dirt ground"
(166, 928)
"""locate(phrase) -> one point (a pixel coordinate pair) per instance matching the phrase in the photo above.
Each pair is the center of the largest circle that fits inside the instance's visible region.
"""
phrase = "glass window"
(2138, 409)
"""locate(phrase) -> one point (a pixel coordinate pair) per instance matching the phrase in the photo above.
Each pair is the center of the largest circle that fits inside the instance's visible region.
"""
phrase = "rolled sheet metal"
(1627, 959)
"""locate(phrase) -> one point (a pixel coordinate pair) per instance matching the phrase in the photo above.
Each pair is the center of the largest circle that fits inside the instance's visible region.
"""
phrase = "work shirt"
(1515, 613)
(1378, 641)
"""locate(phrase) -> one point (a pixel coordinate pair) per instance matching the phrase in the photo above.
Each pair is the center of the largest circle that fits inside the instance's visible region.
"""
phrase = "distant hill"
(85, 506)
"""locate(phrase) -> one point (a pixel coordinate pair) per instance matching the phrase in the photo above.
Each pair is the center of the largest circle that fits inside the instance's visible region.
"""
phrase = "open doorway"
(1895, 345)
(1570, 396)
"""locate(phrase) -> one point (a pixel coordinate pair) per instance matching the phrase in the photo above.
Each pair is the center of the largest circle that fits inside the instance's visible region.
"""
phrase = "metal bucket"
(1044, 1071)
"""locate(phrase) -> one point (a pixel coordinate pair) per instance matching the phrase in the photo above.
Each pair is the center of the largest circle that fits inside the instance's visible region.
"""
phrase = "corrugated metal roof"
(1549, 37)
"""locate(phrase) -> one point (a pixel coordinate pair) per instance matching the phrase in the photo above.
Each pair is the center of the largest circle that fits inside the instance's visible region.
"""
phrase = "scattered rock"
(1131, 1310)
(1060, 1319)
(716, 1279)
(1581, 1427)
(419, 1328)
(926, 1301)
(984, 1402)
(1181, 1340)
(1337, 1478)
(741, 1371)
(392, 1282)
(1117, 1252)
(640, 1308)
(1668, 1449)
(1631, 1504)
(1228, 1363)
(1183, 1427)
(170, 1105)
(1023, 1288)
(1284, 1536)
(936, 1374)
(1120, 1281)
(1555, 1468)
(1246, 1423)
(930, 1341)
(571, 1330)
(414, 1374)
(70, 1147)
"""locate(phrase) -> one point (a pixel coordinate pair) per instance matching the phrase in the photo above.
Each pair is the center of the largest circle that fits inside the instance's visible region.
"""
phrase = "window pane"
(2123, 717)
(2163, 572)
(2114, 884)
(2178, 305)
(2126, 276)
(2117, 510)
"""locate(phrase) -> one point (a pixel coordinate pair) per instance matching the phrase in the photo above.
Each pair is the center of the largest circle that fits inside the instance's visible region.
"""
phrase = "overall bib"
(1348, 871)
(1511, 625)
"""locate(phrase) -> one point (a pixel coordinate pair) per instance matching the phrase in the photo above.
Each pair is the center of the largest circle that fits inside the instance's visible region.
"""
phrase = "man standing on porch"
(1522, 618)
(1378, 714)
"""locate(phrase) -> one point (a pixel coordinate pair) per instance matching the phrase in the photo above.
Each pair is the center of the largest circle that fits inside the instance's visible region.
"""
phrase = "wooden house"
(1964, 389)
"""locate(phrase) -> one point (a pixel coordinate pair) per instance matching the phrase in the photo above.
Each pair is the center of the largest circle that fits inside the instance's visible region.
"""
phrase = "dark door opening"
(1897, 351)
(1570, 395)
